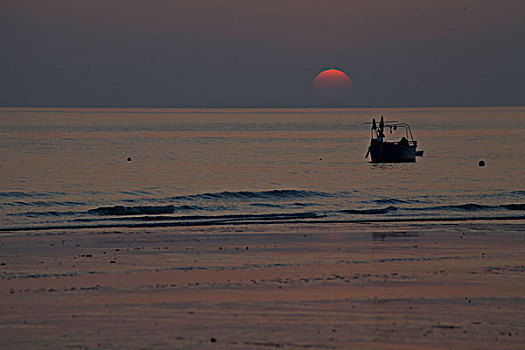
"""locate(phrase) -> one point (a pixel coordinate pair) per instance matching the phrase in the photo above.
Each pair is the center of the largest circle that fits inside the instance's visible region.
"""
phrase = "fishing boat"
(383, 151)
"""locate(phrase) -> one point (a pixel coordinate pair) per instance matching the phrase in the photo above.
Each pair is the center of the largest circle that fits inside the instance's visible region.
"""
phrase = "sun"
(331, 87)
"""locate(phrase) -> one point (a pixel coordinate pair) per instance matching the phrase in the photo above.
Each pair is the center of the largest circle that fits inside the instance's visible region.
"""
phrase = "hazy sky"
(260, 53)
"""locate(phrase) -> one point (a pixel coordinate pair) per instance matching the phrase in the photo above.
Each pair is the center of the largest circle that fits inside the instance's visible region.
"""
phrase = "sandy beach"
(307, 286)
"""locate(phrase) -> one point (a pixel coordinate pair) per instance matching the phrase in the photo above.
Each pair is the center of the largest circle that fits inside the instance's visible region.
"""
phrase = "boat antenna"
(380, 132)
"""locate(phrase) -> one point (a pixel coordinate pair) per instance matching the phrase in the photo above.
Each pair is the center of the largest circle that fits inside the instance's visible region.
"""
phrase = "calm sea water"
(69, 168)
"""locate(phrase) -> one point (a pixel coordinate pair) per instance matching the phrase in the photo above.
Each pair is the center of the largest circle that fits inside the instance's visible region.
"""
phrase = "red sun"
(331, 87)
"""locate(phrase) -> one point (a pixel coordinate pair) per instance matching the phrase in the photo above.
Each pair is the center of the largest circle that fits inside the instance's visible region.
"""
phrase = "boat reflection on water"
(382, 151)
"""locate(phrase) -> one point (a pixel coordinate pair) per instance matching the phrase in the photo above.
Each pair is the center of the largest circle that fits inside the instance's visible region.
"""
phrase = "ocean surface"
(69, 168)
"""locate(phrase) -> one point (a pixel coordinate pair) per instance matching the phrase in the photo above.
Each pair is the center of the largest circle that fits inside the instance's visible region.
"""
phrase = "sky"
(240, 53)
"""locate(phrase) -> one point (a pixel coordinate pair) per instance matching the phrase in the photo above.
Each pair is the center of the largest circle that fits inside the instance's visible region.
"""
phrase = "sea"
(78, 168)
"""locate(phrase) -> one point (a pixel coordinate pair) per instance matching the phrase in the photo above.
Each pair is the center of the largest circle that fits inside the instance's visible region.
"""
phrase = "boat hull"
(391, 152)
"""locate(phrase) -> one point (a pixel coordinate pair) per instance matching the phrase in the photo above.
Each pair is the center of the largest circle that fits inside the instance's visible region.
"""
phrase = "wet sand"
(331, 286)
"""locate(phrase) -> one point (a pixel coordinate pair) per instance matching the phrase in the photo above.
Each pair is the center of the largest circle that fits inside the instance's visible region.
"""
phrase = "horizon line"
(258, 107)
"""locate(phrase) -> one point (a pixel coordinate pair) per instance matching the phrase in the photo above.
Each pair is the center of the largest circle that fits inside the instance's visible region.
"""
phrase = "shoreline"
(464, 219)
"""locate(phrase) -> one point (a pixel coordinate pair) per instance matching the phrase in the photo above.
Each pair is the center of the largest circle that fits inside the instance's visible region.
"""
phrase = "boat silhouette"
(383, 151)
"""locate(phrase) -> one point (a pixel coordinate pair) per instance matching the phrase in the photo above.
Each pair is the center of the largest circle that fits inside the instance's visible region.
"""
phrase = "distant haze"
(239, 53)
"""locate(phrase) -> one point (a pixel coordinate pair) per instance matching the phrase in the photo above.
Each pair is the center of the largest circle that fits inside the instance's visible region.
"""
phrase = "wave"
(120, 210)
(266, 205)
(128, 211)
(369, 211)
(268, 195)
(136, 193)
(19, 194)
(391, 201)
(109, 211)
(140, 210)
(269, 220)
(42, 204)
(302, 205)
(475, 207)
(36, 214)
(468, 207)
(228, 217)
(513, 206)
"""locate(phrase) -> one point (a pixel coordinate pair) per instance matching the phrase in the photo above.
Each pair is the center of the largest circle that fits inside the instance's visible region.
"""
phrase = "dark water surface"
(69, 168)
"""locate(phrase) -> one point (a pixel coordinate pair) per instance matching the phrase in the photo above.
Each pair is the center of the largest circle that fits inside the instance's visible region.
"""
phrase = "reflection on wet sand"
(256, 287)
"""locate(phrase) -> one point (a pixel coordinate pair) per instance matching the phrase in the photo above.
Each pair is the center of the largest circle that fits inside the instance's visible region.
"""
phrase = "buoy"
(129, 159)
(481, 163)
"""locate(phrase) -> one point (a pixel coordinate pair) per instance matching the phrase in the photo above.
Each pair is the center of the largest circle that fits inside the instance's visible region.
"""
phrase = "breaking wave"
(514, 206)
(468, 207)
(140, 210)
(30, 210)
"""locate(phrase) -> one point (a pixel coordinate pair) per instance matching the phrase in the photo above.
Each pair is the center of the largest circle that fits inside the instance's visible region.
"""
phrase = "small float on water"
(382, 151)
